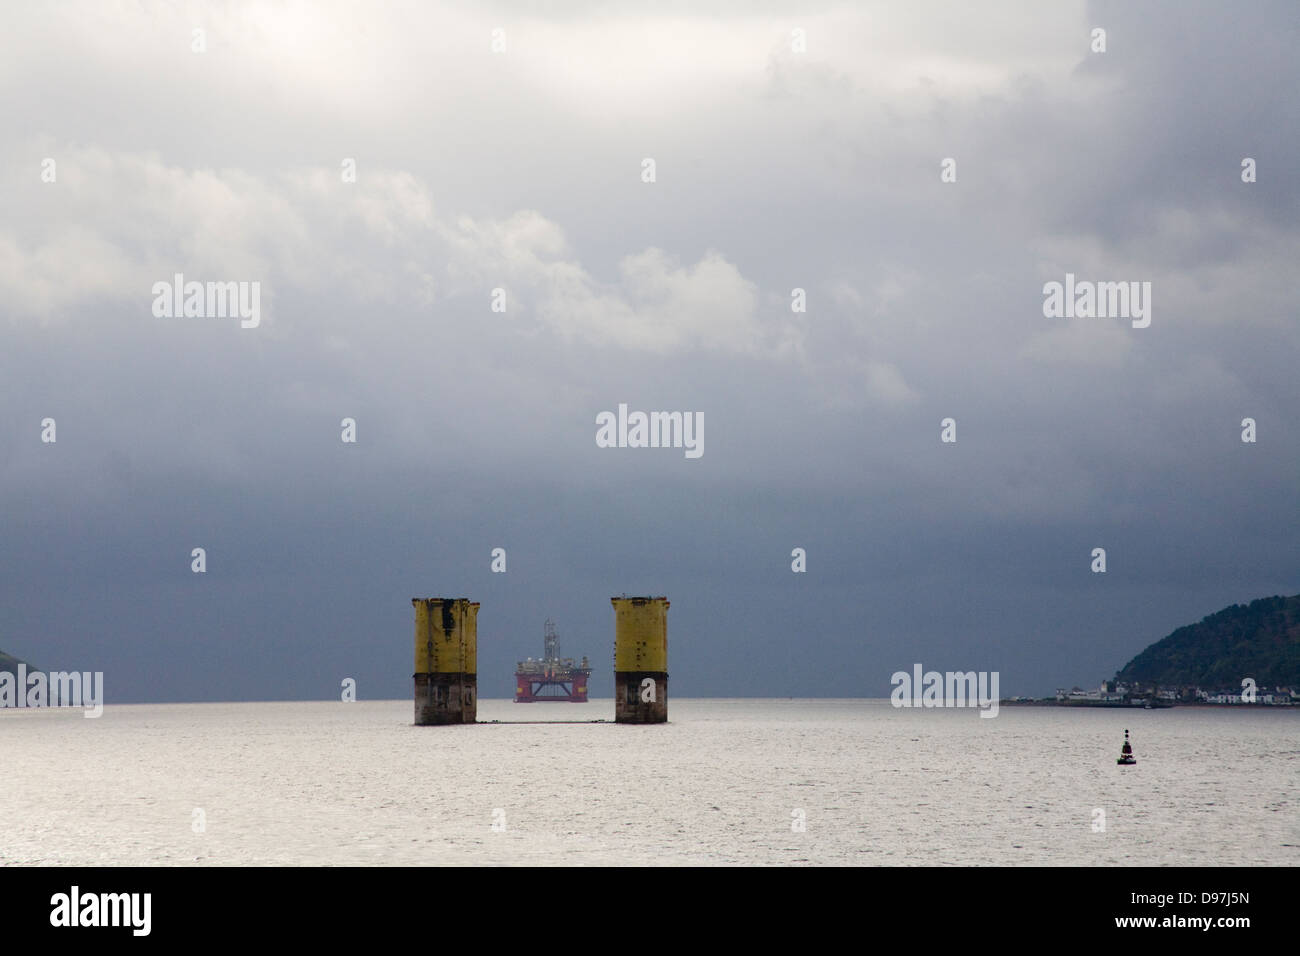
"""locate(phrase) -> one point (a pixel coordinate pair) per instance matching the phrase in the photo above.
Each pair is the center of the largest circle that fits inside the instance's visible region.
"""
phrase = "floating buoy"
(1126, 752)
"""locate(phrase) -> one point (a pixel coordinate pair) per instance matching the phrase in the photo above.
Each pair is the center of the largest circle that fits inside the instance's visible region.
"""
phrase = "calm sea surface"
(335, 783)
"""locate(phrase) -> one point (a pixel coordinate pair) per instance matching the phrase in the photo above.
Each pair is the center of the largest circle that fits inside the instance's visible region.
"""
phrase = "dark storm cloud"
(476, 429)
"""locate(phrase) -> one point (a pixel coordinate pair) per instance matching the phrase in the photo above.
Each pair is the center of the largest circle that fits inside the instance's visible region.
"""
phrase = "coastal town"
(1114, 693)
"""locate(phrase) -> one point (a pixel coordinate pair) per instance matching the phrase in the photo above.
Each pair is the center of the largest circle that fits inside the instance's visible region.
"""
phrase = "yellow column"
(640, 660)
(446, 660)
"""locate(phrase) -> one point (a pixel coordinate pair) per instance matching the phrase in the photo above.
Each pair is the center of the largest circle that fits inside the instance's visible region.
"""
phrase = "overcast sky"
(523, 170)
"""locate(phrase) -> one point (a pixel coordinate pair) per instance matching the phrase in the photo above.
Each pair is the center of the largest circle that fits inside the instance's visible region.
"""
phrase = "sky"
(380, 170)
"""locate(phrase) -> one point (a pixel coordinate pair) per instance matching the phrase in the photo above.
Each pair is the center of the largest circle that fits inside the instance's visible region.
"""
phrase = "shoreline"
(1109, 705)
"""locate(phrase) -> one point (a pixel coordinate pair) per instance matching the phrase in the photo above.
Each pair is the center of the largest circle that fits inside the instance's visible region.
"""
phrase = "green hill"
(10, 663)
(1260, 640)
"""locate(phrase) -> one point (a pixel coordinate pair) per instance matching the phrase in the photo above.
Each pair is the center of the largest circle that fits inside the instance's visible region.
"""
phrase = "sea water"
(724, 782)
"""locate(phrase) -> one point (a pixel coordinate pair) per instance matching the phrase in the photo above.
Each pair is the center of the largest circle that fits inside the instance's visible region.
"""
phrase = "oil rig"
(552, 677)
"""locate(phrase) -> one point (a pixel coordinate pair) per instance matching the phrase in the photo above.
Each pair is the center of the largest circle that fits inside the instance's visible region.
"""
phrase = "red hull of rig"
(530, 689)
(553, 678)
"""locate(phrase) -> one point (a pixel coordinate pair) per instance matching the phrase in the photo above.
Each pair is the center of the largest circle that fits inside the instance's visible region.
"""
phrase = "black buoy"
(1126, 752)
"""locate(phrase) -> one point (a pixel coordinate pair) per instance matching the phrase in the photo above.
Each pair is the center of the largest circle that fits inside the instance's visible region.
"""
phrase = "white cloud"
(662, 306)
(886, 384)
(124, 221)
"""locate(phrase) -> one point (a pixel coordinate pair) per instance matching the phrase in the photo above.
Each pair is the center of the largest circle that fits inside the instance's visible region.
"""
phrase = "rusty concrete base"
(446, 699)
(629, 708)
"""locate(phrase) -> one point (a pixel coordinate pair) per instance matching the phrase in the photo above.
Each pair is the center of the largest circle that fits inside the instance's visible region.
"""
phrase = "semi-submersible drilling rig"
(553, 677)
